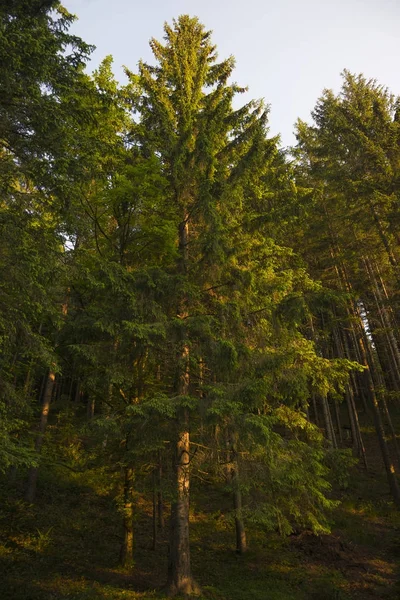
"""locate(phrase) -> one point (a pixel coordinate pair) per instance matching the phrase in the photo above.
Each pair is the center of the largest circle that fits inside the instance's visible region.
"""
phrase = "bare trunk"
(234, 480)
(33, 471)
(362, 358)
(180, 580)
(126, 553)
(154, 520)
(330, 434)
(160, 501)
(391, 428)
(315, 409)
(357, 441)
(77, 392)
(357, 431)
(91, 403)
(338, 422)
(389, 467)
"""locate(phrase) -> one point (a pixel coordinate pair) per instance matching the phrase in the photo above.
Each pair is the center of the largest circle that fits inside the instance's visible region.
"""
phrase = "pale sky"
(287, 51)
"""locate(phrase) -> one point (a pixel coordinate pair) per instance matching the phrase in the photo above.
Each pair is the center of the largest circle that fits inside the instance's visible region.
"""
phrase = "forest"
(199, 329)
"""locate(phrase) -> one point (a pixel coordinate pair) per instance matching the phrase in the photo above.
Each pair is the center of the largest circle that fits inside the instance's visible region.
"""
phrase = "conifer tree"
(187, 119)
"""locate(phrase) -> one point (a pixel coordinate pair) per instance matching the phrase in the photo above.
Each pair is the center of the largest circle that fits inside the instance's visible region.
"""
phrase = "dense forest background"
(199, 331)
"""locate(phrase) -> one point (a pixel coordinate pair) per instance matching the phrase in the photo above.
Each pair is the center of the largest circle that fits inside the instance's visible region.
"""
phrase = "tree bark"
(33, 471)
(330, 434)
(126, 553)
(234, 480)
(180, 580)
(389, 467)
(154, 520)
(160, 501)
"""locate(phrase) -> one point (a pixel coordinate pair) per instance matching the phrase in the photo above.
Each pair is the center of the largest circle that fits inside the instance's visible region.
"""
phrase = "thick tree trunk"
(126, 553)
(33, 471)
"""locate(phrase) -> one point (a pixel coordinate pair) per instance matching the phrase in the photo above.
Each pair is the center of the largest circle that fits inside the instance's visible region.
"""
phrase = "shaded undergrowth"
(66, 546)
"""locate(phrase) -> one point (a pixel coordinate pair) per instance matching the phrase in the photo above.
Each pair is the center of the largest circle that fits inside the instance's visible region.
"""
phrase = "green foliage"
(155, 253)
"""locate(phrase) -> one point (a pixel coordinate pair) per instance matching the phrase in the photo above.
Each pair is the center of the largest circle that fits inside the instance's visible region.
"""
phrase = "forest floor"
(66, 546)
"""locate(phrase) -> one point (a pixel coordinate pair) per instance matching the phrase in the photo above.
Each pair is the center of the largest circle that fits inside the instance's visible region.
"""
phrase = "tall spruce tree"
(187, 119)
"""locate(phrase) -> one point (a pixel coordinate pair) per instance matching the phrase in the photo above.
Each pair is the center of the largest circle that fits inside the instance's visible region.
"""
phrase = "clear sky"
(287, 51)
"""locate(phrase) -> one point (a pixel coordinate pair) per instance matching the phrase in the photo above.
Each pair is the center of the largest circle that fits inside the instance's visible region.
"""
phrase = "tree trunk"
(33, 471)
(357, 431)
(389, 467)
(391, 428)
(330, 434)
(154, 520)
(77, 392)
(160, 501)
(338, 422)
(91, 404)
(234, 480)
(126, 553)
(315, 409)
(180, 580)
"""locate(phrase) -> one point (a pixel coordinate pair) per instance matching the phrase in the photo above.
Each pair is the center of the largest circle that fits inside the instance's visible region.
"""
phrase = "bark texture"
(44, 415)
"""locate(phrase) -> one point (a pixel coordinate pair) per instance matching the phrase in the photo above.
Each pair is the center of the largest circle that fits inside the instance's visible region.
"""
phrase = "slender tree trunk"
(28, 381)
(126, 553)
(330, 434)
(391, 429)
(331, 424)
(91, 404)
(160, 501)
(358, 437)
(315, 409)
(344, 352)
(77, 392)
(33, 471)
(359, 345)
(338, 422)
(234, 480)
(180, 580)
(389, 467)
(154, 509)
